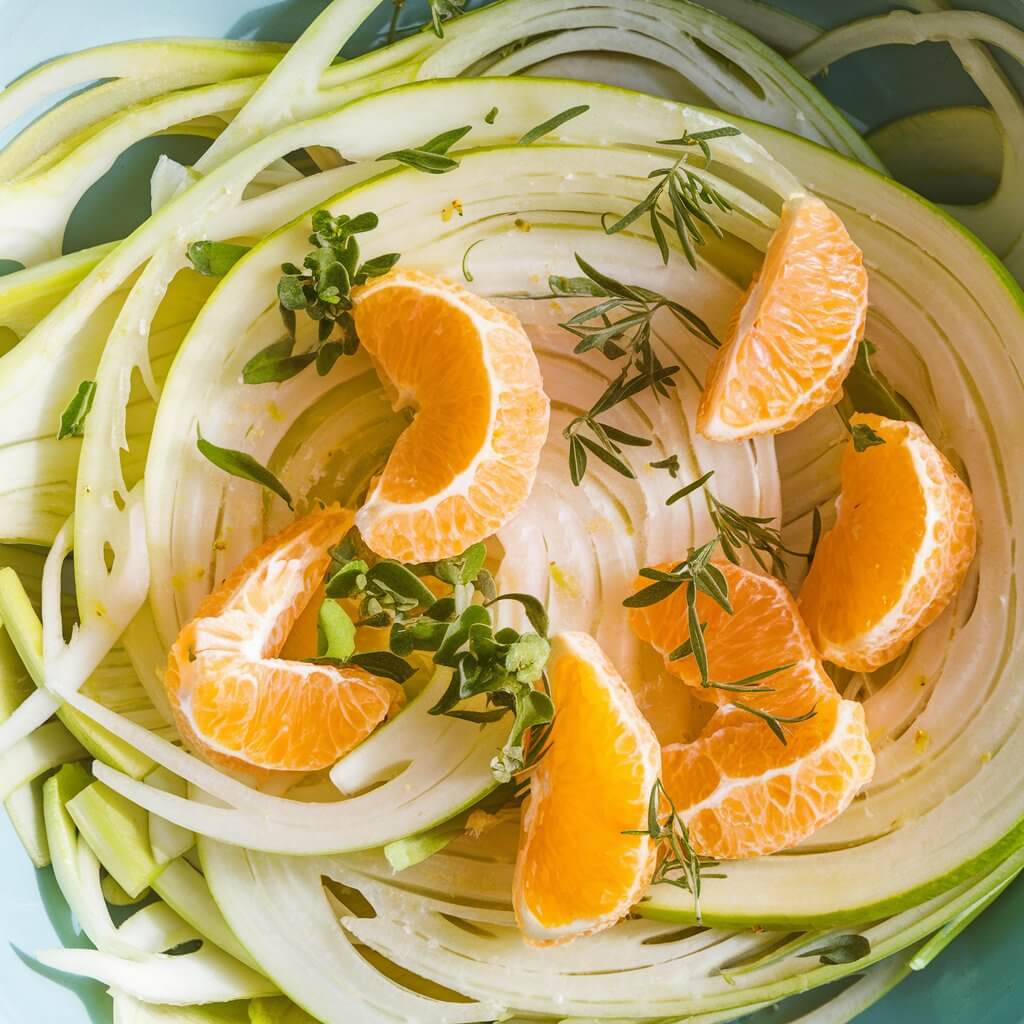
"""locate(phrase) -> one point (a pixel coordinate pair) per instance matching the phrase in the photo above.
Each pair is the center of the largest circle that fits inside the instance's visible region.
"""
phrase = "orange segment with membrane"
(577, 872)
(902, 543)
(740, 790)
(794, 337)
(467, 462)
(234, 700)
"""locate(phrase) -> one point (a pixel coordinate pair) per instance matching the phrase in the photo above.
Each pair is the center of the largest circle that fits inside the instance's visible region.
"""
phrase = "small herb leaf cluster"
(692, 198)
(680, 865)
(505, 666)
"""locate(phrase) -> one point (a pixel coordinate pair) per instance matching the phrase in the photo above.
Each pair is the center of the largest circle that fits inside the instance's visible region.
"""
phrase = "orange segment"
(235, 701)
(467, 462)
(576, 873)
(741, 792)
(903, 540)
(795, 335)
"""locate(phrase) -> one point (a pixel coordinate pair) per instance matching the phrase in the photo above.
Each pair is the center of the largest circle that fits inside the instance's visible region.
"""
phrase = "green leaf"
(653, 594)
(697, 645)
(607, 457)
(72, 419)
(535, 611)
(276, 363)
(422, 160)
(690, 487)
(671, 464)
(348, 580)
(383, 664)
(491, 116)
(291, 294)
(527, 657)
(242, 465)
(841, 949)
(463, 569)
(864, 437)
(443, 142)
(458, 633)
(327, 355)
(336, 632)
(402, 581)
(577, 460)
(573, 286)
(866, 390)
(548, 126)
(215, 259)
(376, 267)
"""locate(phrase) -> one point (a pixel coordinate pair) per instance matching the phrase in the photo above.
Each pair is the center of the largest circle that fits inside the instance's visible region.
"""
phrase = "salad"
(524, 529)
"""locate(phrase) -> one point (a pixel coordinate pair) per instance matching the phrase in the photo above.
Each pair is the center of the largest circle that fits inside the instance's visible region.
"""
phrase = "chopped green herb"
(491, 116)
(72, 419)
(864, 437)
(670, 464)
(215, 259)
(548, 126)
(242, 465)
(432, 157)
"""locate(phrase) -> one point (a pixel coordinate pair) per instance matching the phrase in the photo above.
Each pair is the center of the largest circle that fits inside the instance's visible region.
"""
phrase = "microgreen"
(432, 156)
(72, 419)
(840, 949)
(552, 123)
(680, 866)
(321, 288)
(691, 198)
(630, 337)
(242, 465)
(214, 259)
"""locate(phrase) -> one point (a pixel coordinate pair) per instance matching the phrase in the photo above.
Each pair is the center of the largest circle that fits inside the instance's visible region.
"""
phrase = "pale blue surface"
(977, 981)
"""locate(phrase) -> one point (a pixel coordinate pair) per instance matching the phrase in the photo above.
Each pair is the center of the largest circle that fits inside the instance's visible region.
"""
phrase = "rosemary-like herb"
(737, 531)
(679, 865)
(691, 198)
(628, 336)
(700, 575)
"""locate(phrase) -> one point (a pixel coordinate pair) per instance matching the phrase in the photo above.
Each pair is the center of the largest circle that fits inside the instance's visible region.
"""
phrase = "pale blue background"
(979, 980)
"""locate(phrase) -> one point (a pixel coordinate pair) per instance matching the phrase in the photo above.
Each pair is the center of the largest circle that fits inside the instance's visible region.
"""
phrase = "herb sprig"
(321, 288)
(628, 336)
(432, 156)
(700, 575)
(504, 665)
(692, 198)
(679, 865)
(242, 465)
(737, 532)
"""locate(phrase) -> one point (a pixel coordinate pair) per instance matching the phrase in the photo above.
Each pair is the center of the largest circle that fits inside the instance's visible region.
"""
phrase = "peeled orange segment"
(234, 700)
(901, 546)
(577, 872)
(467, 462)
(741, 792)
(794, 338)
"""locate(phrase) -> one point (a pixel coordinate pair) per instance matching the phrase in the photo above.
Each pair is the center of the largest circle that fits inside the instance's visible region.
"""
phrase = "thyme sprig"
(692, 198)
(457, 629)
(619, 327)
(679, 864)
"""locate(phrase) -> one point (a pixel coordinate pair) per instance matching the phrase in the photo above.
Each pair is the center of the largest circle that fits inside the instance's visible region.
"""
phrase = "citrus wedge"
(903, 540)
(468, 460)
(794, 337)
(238, 704)
(577, 872)
(741, 791)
